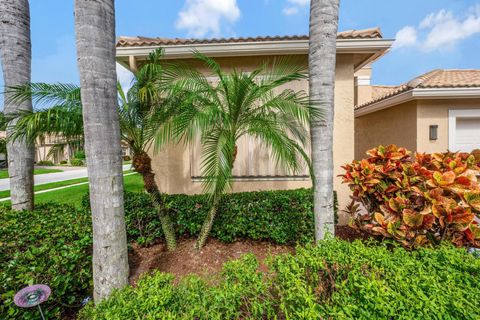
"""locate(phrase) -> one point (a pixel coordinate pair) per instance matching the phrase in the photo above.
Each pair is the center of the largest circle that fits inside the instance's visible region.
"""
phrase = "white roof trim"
(256, 48)
(419, 93)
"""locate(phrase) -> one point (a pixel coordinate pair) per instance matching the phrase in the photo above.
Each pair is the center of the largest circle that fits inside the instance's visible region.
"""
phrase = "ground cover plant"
(334, 280)
(417, 201)
(49, 245)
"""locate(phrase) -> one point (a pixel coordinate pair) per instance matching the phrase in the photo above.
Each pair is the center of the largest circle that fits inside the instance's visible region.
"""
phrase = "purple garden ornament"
(32, 296)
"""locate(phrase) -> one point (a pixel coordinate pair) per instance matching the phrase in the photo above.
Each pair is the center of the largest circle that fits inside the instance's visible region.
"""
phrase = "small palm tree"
(144, 108)
(240, 104)
(141, 110)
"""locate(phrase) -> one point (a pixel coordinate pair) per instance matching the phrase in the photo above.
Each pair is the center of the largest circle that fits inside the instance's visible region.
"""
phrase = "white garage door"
(464, 129)
(467, 135)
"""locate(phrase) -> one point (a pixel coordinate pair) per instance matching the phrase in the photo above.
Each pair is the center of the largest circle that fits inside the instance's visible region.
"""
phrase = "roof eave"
(419, 94)
(375, 46)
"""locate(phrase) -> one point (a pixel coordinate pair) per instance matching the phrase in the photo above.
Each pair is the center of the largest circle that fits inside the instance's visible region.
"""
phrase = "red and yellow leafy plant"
(417, 201)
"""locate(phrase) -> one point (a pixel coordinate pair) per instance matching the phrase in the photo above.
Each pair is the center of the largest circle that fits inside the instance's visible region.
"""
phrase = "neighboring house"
(43, 149)
(177, 168)
(47, 149)
(434, 112)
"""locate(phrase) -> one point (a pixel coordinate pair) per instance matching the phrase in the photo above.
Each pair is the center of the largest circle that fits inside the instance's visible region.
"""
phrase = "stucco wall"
(363, 91)
(172, 164)
(396, 125)
(435, 112)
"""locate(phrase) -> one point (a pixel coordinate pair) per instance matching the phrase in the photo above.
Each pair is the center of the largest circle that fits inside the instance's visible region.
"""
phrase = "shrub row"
(76, 162)
(335, 280)
(283, 217)
(45, 163)
(50, 245)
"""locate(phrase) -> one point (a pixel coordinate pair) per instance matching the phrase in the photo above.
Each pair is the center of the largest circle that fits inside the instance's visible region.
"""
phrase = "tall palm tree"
(95, 39)
(322, 59)
(141, 110)
(15, 50)
(241, 104)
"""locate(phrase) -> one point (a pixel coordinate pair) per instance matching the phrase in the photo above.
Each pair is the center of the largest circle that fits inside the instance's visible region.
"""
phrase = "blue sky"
(431, 33)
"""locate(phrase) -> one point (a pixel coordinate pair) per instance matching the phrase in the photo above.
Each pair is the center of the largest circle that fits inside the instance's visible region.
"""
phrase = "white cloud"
(124, 76)
(294, 6)
(288, 11)
(445, 30)
(441, 30)
(204, 17)
(407, 36)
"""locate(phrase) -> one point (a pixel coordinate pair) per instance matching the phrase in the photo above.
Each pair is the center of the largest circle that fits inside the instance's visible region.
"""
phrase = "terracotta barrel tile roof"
(381, 91)
(434, 79)
(373, 33)
(452, 79)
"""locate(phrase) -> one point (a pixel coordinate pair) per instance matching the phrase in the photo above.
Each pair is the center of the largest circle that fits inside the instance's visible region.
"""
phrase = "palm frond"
(45, 94)
(217, 162)
(58, 121)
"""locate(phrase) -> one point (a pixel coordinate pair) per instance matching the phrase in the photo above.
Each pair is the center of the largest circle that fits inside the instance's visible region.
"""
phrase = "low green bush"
(334, 280)
(76, 162)
(79, 155)
(50, 245)
(238, 291)
(284, 217)
(44, 163)
(63, 162)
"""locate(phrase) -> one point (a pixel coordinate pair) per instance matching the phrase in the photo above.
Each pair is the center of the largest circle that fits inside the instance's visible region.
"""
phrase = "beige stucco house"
(178, 167)
(434, 112)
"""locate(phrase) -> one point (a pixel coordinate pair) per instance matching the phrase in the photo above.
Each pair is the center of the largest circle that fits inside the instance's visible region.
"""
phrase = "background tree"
(95, 38)
(240, 104)
(15, 50)
(322, 59)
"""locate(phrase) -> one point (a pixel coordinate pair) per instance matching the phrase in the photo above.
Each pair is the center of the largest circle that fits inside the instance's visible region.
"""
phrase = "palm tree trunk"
(322, 59)
(207, 224)
(15, 50)
(95, 37)
(143, 165)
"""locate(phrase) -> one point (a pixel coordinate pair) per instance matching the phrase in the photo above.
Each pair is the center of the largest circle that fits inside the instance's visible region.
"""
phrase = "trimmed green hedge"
(335, 280)
(77, 162)
(50, 245)
(283, 217)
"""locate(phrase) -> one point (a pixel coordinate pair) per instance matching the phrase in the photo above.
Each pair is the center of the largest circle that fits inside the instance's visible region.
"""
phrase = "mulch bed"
(186, 260)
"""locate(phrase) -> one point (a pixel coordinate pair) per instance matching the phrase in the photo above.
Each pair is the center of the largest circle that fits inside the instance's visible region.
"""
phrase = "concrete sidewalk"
(56, 176)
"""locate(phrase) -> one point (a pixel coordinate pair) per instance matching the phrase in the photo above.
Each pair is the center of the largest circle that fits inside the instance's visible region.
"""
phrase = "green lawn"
(73, 195)
(4, 172)
(53, 185)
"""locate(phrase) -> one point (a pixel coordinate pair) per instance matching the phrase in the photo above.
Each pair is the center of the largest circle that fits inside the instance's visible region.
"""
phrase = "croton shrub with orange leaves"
(417, 201)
